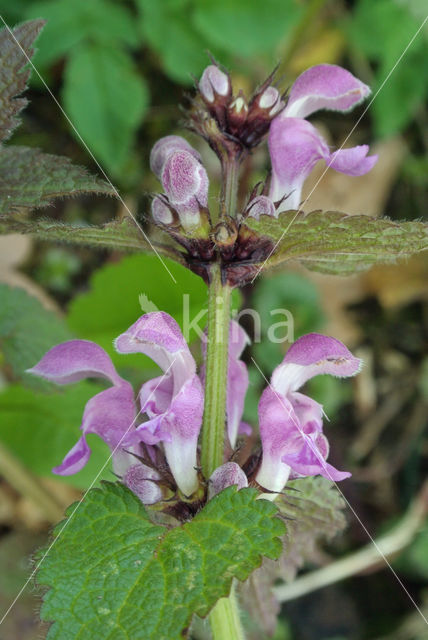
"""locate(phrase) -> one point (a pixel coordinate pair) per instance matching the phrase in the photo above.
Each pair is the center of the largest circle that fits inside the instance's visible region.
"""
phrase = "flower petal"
(311, 355)
(352, 161)
(324, 86)
(277, 423)
(158, 336)
(74, 360)
(75, 459)
(309, 461)
(111, 415)
(183, 422)
(163, 149)
(295, 147)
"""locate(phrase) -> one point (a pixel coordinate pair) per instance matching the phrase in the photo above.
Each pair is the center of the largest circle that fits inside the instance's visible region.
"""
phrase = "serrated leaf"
(30, 178)
(15, 49)
(116, 97)
(120, 235)
(337, 243)
(39, 429)
(315, 514)
(113, 574)
(27, 331)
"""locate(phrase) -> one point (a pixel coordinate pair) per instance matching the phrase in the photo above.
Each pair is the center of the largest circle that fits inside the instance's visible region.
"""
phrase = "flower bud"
(142, 481)
(237, 113)
(214, 82)
(163, 149)
(161, 213)
(270, 100)
(261, 205)
(186, 184)
(225, 476)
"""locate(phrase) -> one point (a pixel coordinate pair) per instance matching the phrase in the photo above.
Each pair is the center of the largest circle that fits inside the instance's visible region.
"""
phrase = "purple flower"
(225, 476)
(295, 145)
(214, 82)
(237, 383)
(291, 422)
(184, 180)
(173, 402)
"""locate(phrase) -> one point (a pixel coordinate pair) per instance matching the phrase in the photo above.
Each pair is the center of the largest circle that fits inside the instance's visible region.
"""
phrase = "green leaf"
(14, 53)
(333, 242)
(315, 515)
(30, 178)
(167, 26)
(241, 28)
(113, 302)
(27, 331)
(120, 235)
(39, 429)
(71, 22)
(115, 99)
(114, 574)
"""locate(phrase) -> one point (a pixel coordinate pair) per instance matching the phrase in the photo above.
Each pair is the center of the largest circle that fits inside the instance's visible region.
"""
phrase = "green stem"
(230, 187)
(225, 621)
(213, 427)
(224, 618)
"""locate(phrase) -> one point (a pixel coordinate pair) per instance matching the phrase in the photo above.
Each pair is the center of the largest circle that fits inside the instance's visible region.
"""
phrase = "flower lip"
(324, 86)
(311, 355)
(74, 360)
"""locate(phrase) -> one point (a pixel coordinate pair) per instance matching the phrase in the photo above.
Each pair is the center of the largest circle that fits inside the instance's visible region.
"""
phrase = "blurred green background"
(119, 70)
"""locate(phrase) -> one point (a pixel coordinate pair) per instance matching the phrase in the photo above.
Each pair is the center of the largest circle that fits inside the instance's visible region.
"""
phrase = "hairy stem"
(225, 621)
(230, 187)
(213, 428)
(224, 618)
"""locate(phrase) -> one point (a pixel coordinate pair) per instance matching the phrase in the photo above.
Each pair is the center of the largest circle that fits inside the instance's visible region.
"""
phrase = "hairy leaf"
(15, 49)
(30, 178)
(316, 514)
(333, 242)
(39, 429)
(120, 235)
(27, 331)
(113, 574)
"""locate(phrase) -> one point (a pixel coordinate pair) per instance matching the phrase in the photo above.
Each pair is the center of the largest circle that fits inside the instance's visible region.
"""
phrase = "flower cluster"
(153, 436)
(232, 126)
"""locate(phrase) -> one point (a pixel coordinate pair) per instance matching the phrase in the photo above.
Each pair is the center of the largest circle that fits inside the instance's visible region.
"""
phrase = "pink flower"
(173, 402)
(296, 146)
(291, 422)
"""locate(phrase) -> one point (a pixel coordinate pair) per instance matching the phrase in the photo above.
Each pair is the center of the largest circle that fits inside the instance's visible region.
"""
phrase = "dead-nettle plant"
(193, 513)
